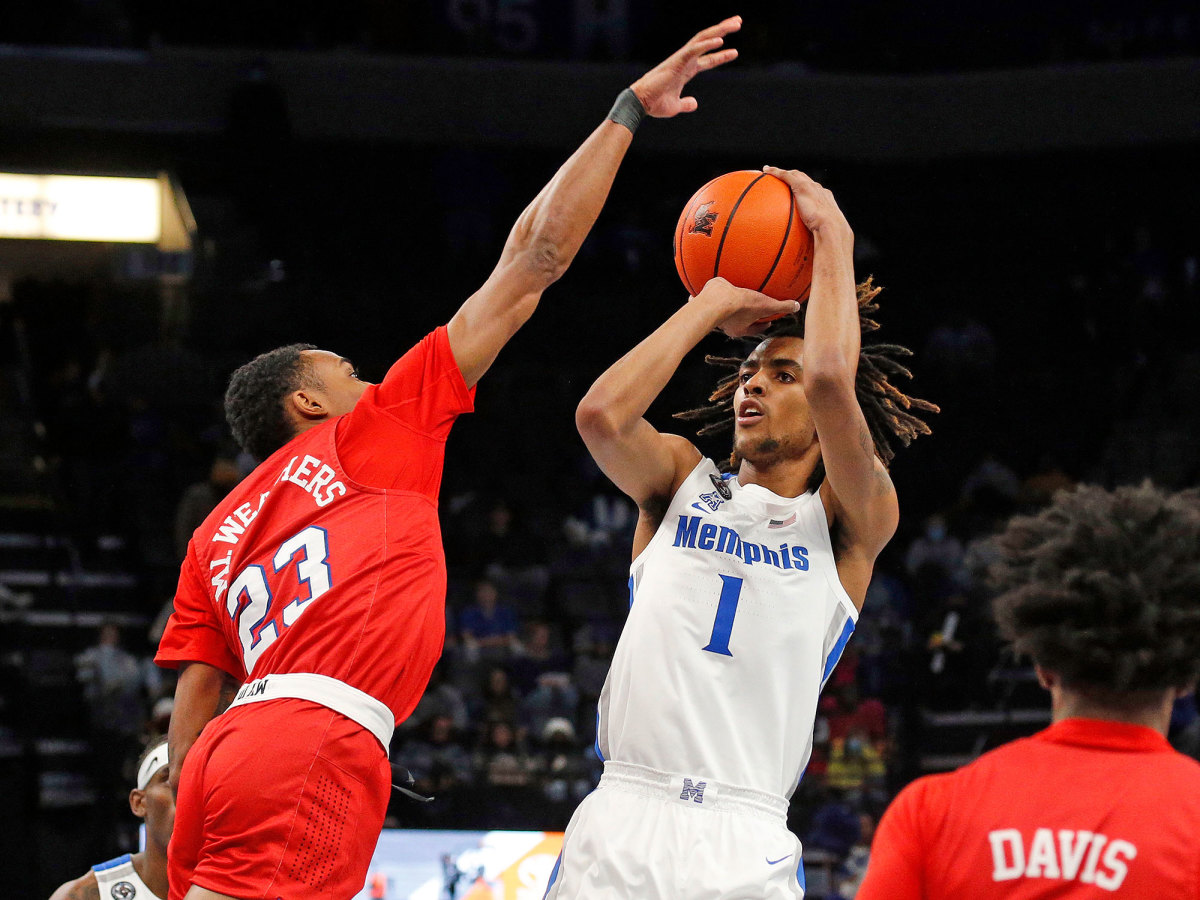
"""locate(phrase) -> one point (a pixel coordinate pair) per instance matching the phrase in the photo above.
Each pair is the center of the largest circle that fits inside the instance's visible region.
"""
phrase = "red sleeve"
(424, 388)
(896, 866)
(192, 633)
(395, 436)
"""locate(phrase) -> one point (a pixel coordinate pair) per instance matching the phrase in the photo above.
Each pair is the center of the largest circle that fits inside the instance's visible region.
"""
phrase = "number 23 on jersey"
(251, 602)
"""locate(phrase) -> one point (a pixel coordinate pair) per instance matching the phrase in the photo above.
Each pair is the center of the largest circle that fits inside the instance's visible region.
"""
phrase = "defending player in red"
(1103, 591)
(318, 585)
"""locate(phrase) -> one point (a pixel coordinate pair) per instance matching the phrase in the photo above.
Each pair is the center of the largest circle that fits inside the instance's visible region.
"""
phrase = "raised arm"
(644, 463)
(863, 500)
(548, 234)
(202, 693)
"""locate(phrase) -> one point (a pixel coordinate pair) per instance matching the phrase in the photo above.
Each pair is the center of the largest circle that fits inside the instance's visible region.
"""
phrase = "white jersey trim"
(356, 705)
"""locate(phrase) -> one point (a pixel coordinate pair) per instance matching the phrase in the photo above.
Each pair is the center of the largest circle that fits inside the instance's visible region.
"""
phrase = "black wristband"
(628, 110)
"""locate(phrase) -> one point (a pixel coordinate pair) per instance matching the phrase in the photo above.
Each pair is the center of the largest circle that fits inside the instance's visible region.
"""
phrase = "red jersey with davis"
(1081, 809)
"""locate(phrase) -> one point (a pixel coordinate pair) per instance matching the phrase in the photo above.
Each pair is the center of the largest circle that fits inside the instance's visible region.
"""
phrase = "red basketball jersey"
(328, 557)
(1086, 808)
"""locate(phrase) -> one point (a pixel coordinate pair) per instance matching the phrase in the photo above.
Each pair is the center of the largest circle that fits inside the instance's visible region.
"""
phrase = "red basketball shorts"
(284, 799)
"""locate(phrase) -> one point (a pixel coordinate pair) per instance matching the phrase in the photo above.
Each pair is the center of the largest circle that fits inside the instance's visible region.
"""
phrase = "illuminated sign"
(469, 865)
(80, 208)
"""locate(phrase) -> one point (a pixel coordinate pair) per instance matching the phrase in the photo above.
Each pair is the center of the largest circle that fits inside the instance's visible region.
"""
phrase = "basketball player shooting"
(318, 585)
(745, 584)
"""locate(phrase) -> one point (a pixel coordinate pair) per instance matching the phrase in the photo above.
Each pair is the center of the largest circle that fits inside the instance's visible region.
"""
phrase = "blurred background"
(1021, 178)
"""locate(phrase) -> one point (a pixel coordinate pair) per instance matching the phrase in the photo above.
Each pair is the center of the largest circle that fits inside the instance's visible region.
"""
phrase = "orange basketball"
(745, 228)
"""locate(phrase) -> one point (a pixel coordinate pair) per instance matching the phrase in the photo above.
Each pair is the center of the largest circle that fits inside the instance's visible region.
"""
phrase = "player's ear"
(137, 803)
(308, 404)
(1045, 679)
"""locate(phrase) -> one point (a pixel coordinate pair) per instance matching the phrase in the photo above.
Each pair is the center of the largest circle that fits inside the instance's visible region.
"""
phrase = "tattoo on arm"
(89, 890)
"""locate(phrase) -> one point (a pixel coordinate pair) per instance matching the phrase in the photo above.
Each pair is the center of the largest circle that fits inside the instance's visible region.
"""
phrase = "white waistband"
(695, 791)
(352, 703)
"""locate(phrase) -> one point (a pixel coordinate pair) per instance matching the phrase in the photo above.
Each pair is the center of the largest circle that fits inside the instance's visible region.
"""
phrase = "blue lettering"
(750, 554)
(685, 534)
(783, 556)
(728, 541)
(770, 557)
(708, 533)
(800, 558)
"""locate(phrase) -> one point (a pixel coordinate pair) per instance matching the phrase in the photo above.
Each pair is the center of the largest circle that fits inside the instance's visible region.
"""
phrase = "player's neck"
(785, 477)
(1067, 704)
(151, 867)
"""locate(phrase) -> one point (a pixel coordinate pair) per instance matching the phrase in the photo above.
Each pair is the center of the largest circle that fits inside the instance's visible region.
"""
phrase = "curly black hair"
(254, 398)
(1103, 588)
(886, 408)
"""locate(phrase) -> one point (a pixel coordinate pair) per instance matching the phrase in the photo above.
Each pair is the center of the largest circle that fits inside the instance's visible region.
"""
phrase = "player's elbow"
(593, 417)
(545, 259)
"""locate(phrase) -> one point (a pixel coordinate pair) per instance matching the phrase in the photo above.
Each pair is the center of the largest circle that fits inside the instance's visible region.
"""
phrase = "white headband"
(151, 764)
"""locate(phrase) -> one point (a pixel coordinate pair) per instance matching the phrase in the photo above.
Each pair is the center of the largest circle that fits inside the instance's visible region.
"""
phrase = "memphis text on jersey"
(696, 534)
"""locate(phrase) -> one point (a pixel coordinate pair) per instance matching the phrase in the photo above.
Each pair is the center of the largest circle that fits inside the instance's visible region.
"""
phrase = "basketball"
(744, 227)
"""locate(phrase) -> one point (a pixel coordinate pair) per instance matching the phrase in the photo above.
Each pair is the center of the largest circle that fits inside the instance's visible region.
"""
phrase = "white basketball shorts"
(650, 835)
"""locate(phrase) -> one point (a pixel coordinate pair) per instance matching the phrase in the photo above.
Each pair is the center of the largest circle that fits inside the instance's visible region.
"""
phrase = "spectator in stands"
(201, 498)
(835, 824)
(488, 627)
(506, 547)
(554, 697)
(857, 764)
(567, 777)
(854, 867)
(935, 548)
(117, 686)
(538, 654)
(849, 712)
(498, 701)
(441, 699)
(437, 759)
(501, 760)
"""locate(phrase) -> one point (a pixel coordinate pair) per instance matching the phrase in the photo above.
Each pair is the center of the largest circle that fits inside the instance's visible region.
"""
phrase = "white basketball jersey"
(117, 879)
(737, 618)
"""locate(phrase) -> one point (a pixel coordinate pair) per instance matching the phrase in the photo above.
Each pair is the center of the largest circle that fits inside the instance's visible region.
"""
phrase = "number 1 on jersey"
(731, 590)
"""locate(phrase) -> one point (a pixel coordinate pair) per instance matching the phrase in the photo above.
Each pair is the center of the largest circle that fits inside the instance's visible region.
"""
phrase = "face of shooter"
(772, 422)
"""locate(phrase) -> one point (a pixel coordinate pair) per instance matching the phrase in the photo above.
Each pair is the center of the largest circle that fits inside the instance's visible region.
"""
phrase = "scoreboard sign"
(80, 208)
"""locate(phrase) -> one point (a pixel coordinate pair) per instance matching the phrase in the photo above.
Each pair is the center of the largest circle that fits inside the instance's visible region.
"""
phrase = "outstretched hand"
(743, 311)
(660, 90)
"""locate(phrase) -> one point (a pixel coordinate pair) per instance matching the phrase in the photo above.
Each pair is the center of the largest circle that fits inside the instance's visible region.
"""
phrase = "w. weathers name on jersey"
(316, 481)
(311, 474)
(696, 534)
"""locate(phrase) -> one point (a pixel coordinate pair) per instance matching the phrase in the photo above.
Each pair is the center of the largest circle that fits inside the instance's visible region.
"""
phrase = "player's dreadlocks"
(254, 398)
(885, 407)
(1103, 589)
